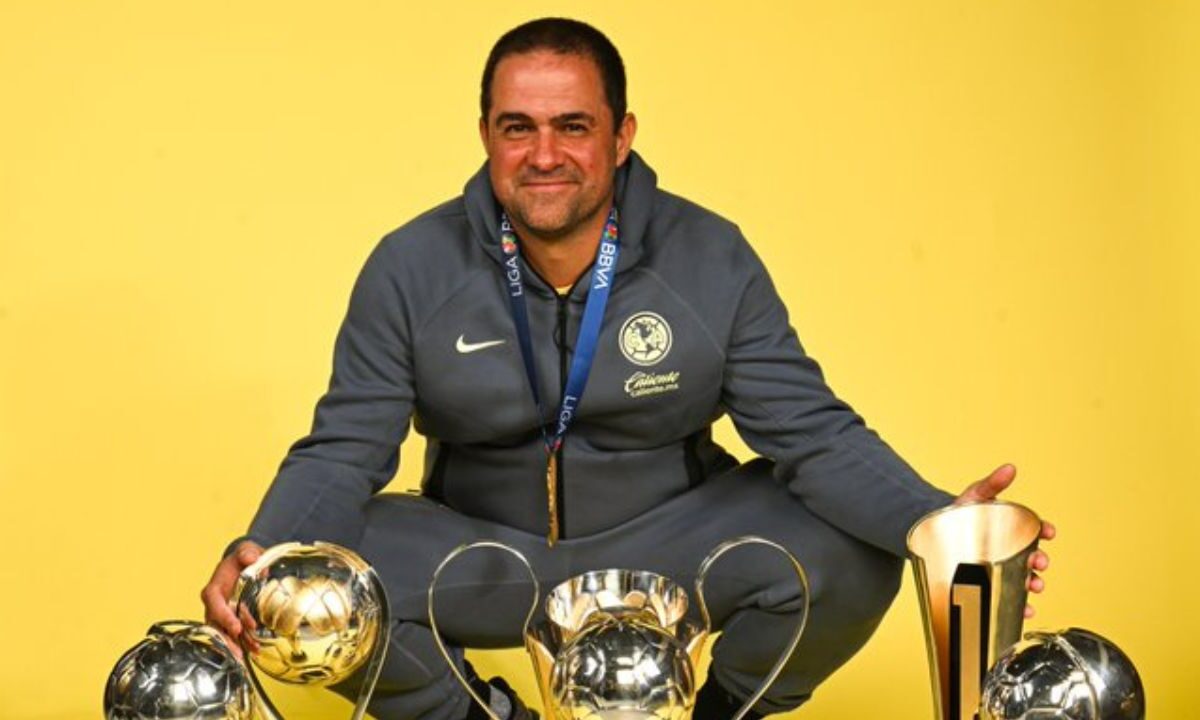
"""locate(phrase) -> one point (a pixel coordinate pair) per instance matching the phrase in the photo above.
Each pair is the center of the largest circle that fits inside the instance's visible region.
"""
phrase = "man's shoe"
(714, 703)
(517, 709)
(502, 700)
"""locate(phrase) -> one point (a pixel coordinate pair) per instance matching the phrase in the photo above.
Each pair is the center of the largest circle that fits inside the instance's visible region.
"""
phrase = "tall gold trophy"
(616, 645)
(972, 564)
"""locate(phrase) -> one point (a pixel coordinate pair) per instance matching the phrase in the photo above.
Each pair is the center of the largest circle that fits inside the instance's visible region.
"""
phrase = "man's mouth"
(547, 184)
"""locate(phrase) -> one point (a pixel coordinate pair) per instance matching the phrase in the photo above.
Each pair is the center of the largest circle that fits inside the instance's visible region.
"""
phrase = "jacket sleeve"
(823, 451)
(323, 485)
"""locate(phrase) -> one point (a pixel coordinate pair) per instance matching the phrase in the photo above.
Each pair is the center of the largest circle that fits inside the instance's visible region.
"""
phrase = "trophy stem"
(796, 634)
(437, 636)
(379, 652)
(265, 707)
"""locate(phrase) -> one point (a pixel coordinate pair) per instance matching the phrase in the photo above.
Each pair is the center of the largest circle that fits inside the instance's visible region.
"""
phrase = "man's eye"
(517, 128)
(575, 128)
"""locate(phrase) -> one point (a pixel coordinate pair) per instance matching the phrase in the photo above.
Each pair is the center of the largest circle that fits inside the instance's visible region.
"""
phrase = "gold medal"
(552, 496)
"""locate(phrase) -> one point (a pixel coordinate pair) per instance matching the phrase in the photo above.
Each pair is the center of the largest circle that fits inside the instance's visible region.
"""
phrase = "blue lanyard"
(603, 272)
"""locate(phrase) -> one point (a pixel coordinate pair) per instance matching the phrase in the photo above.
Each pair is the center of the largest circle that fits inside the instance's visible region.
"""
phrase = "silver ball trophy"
(182, 670)
(1070, 675)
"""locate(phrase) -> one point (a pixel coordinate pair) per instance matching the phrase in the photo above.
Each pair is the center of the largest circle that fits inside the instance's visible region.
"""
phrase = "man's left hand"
(987, 489)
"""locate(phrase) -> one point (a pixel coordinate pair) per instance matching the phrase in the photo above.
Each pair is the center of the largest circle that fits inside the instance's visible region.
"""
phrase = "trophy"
(971, 563)
(1070, 675)
(181, 670)
(312, 615)
(616, 645)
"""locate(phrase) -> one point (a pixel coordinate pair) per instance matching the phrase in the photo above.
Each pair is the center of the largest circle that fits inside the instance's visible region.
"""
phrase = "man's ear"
(483, 133)
(625, 135)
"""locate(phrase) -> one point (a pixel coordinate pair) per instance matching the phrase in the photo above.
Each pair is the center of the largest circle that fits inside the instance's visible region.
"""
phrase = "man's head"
(554, 125)
(563, 37)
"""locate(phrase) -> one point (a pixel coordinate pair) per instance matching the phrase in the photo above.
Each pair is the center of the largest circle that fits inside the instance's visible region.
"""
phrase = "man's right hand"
(217, 594)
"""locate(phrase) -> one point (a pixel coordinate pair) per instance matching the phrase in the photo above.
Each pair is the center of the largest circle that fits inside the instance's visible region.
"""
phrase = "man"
(562, 268)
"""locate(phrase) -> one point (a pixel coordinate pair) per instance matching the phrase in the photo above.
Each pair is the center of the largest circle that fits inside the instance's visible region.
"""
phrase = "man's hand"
(216, 595)
(987, 489)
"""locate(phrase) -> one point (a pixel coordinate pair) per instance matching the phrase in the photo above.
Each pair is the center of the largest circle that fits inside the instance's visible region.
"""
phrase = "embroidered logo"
(643, 383)
(645, 339)
(465, 347)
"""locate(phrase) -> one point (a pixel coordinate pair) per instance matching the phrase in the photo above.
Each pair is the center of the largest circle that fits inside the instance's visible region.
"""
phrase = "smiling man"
(564, 334)
(553, 145)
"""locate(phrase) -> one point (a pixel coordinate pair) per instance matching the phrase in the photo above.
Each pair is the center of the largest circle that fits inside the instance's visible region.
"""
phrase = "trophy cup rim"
(1031, 523)
(567, 594)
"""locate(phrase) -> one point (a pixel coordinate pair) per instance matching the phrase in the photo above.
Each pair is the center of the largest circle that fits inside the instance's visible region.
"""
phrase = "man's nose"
(546, 153)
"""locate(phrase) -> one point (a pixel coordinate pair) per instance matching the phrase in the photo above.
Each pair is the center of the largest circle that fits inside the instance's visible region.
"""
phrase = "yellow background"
(982, 215)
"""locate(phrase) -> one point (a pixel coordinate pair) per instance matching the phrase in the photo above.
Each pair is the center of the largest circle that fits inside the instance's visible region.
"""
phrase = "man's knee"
(858, 579)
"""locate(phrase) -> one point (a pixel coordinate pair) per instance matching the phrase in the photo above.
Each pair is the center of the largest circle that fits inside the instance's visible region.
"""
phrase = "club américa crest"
(645, 338)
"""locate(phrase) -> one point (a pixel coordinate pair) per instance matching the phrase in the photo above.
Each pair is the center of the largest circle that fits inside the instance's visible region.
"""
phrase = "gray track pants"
(752, 592)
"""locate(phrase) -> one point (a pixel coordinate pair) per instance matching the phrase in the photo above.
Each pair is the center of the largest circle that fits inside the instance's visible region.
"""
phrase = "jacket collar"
(636, 186)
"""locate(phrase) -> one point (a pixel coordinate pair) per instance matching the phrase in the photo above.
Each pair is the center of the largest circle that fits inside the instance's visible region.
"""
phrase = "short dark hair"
(566, 37)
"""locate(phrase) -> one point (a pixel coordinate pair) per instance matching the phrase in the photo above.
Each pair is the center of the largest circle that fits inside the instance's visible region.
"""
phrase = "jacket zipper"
(560, 339)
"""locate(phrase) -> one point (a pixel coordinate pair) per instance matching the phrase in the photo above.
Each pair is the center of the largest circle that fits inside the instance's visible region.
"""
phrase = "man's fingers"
(217, 611)
(989, 487)
(1036, 584)
(233, 646)
(217, 593)
(1048, 530)
(999, 480)
(248, 553)
(248, 622)
(1039, 560)
(1029, 612)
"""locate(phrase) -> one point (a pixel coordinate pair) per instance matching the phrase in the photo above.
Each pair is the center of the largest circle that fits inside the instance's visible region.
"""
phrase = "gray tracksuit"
(641, 433)
(693, 329)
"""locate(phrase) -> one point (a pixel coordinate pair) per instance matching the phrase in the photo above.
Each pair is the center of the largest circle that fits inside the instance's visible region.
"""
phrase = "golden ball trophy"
(312, 615)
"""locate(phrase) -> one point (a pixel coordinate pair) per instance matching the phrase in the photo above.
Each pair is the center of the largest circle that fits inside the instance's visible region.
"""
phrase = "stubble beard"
(551, 223)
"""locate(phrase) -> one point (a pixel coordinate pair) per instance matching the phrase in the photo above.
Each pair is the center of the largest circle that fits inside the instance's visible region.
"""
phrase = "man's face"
(550, 143)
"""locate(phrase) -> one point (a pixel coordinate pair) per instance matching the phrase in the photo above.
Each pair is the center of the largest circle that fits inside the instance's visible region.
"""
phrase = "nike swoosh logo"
(465, 347)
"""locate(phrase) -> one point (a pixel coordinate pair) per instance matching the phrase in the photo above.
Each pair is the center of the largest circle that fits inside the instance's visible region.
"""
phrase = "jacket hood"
(636, 186)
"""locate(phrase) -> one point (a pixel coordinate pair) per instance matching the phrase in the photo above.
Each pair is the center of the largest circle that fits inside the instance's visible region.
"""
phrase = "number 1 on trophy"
(969, 593)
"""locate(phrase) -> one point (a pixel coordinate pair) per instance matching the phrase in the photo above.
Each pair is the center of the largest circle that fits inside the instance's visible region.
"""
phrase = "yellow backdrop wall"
(981, 214)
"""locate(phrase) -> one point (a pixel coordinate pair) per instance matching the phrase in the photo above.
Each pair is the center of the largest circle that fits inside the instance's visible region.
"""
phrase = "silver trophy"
(1070, 675)
(181, 670)
(616, 645)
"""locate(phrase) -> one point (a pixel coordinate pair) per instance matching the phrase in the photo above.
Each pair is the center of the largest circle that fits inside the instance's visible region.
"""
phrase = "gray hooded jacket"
(693, 329)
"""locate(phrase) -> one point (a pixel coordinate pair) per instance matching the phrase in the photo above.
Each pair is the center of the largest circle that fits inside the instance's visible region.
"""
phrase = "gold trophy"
(312, 615)
(615, 644)
(971, 564)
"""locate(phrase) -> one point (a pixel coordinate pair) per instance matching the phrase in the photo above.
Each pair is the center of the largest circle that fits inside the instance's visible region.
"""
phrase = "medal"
(552, 496)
